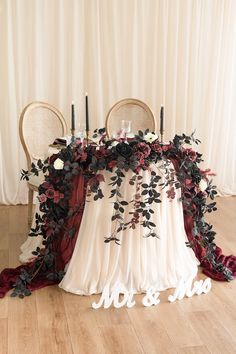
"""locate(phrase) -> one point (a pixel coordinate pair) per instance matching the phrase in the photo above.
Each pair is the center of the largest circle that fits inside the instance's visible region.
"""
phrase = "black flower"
(124, 150)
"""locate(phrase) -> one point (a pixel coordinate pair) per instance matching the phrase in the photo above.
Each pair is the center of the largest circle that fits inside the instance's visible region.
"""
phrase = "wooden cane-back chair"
(131, 109)
(40, 123)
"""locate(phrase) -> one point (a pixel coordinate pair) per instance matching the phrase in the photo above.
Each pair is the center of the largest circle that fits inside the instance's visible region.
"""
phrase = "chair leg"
(30, 207)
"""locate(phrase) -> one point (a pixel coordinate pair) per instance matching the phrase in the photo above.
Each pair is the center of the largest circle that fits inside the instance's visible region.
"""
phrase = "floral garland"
(136, 153)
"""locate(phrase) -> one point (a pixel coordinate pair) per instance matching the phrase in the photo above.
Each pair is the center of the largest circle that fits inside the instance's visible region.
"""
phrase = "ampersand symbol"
(151, 298)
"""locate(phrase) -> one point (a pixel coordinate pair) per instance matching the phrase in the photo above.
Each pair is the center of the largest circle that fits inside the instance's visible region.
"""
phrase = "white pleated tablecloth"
(139, 262)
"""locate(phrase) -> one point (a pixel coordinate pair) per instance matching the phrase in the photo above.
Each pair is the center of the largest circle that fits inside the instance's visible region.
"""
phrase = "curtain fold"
(178, 53)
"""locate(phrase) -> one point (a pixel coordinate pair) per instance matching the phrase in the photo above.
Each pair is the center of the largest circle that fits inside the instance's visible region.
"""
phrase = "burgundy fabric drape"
(63, 246)
(200, 252)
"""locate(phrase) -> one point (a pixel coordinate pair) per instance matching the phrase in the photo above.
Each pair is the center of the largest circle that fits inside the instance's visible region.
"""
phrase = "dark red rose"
(192, 155)
(42, 198)
(57, 196)
(156, 147)
(188, 183)
(144, 148)
(49, 193)
(140, 157)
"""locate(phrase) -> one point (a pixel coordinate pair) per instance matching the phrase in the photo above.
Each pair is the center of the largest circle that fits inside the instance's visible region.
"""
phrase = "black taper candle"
(72, 116)
(162, 120)
(87, 113)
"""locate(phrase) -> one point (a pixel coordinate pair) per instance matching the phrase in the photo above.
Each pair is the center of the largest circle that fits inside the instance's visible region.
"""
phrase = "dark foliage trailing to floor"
(141, 152)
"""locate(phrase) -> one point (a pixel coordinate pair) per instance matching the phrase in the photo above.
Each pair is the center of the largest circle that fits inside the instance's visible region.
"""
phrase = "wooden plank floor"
(52, 321)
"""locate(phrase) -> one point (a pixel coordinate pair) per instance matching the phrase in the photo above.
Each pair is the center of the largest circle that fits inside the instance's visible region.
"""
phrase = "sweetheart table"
(139, 262)
(128, 211)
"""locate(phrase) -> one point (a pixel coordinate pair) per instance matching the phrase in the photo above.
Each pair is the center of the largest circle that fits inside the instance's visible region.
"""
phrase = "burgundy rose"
(57, 196)
(144, 148)
(188, 183)
(42, 198)
(50, 193)
(192, 155)
(156, 147)
(140, 157)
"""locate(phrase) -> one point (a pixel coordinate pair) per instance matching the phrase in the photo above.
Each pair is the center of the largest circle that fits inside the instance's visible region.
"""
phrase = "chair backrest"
(40, 123)
(136, 111)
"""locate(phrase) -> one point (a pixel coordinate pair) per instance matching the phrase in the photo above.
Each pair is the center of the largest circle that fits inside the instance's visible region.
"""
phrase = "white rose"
(150, 137)
(203, 185)
(58, 164)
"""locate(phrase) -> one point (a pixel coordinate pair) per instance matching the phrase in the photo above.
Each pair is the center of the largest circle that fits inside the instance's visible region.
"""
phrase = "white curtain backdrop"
(180, 53)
